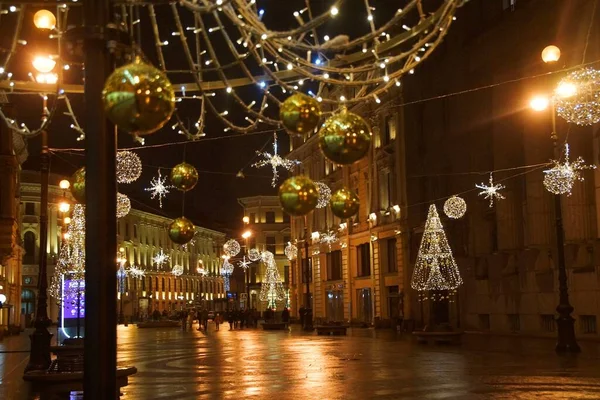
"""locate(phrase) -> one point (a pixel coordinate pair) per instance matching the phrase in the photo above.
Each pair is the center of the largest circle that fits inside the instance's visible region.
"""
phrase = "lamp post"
(566, 341)
(246, 235)
(308, 317)
(121, 281)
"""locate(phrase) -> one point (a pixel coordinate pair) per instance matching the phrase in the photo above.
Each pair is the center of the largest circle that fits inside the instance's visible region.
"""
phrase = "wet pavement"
(366, 364)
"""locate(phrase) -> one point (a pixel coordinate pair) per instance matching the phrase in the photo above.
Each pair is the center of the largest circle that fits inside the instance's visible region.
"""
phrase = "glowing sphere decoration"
(253, 255)
(291, 251)
(578, 97)
(129, 167)
(300, 113)
(184, 177)
(138, 98)
(455, 207)
(177, 270)
(181, 230)
(231, 248)
(123, 205)
(345, 138)
(344, 203)
(324, 194)
(298, 195)
(78, 185)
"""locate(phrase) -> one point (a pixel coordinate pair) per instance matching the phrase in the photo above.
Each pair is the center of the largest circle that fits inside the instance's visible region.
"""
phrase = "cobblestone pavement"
(366, 364)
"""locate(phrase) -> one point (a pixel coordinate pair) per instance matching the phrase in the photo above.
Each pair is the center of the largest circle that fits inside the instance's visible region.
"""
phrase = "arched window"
(29, 244)
(163, 284)
(27, 301)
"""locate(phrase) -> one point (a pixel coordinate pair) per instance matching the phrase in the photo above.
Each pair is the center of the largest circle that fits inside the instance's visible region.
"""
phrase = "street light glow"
(550, 54)
(246, 219)
(566, 89)
(43, 64)
(64, 184)
(44, 19)
(539, 103)
(64, 207)
(247, 234)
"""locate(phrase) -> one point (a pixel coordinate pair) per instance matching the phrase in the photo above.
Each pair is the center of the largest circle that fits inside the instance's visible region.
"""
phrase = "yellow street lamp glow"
(247, 234)
(566, 89)
(64, 184)
(49, 78)
(44, 19)
(67, 235)
(64, 207)
(43, 64)
(550, 54)
(67, 220)
(246, 219)
(539, 103)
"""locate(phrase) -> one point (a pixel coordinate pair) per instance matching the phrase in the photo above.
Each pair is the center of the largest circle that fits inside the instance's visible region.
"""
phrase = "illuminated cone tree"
(435, 268)
(271, 289)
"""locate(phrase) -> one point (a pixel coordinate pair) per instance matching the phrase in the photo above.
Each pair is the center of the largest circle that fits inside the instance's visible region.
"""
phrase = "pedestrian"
(242, 319)
(302, 314)
(190, 319)
(199, 317)
(217, 321)
(230, 319)
(285, 316)
(205, 319)
(183, 318)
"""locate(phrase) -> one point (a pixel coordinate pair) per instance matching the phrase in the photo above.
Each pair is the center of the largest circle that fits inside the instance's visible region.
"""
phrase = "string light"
(455, 207)
(129, 167)
(578, 97)
(123, 205)
(324, 194)
(491, 191)
(562, 176)
(275, 161)
(271, 289)
(158, 188)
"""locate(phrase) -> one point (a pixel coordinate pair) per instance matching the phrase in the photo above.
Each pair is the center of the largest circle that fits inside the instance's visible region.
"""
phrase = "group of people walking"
(237, 319)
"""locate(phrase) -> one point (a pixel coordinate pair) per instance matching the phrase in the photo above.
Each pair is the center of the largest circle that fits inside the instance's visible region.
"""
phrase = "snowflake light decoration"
(160, 259)
(491, 191)
(158, 187)
(129, 167)
(136, 272)
(177, 270)
(275, 161)
(253, 255)
(455, 207)
(291, 251)
(560, 178)
(231, 248)
(123, 205)
(244, 264)
(329, 238)
(324, 194)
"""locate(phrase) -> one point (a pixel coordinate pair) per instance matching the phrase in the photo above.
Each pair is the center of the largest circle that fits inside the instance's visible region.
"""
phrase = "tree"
(271, 289)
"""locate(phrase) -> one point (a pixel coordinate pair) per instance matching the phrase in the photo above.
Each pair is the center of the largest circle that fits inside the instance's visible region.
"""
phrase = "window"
(271, 244)
(29, 209)
(588, 324)
(252, 218)
(484, 322)
(363, 258)
(386, 189)
(334, 265)
(135, 231)
(548, 323)
(514, 322)
(387, 251)
(389, 132)
(270, 217)
(286, 274)
(29, 245)
(126, 233)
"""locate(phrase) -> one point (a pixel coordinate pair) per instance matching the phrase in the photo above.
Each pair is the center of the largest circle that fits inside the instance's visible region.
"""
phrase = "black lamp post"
(308, 317)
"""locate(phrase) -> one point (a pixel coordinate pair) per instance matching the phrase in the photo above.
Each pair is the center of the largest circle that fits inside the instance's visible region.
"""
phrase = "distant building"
(270, 228)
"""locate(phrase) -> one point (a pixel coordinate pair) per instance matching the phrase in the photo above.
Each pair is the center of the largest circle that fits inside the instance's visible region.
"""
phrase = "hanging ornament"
(298, 195)
(231, 248)
(160, 259)
(324, 194)
(253, 255)
(578, 97)
(184, 177)
(123, 205)
(244, 264)
(181, 230)
(300, 114)
(329, 238)
(562, 176)
(291, 251)
(344, 203)
(138, 98)
(345, 138)
(435, 267)
(129, 167)
(455, 207)
(158, 187)
(275, 161)
(491, 191)
(78, 185)
(177, 270)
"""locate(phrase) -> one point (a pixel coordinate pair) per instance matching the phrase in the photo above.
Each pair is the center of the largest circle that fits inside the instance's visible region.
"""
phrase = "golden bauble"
(344, 203)
(78, 185)
(298, 195)
(184, 177)
(345, 138)
(300, 113)
(138, 98)
(181, 230)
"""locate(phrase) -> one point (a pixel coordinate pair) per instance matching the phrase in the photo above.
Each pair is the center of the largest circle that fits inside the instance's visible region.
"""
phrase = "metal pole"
(39, 356)
(308, 318)
(566, 342)
(100, 348)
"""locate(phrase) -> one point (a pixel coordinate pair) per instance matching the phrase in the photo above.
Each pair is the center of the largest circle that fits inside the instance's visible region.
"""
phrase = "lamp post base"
(566, 335)
(39, 358)
(308, 321)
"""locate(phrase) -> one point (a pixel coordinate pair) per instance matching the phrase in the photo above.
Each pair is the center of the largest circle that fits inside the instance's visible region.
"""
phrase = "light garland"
(123, 205)
(158, 188)
(491, 191)
(177, 270)
(291, 251)
(275, 161)
(271, 289)
(581, 103)
(455, 207)
(435, 267)
(231, 248)
(324, 194)
(562, 176)
(254, 255)
(160, 259)
(129, 167)
(226, 271)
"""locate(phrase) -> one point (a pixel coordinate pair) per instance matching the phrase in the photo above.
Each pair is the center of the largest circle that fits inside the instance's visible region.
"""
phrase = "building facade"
(270, 230)
(142, 236)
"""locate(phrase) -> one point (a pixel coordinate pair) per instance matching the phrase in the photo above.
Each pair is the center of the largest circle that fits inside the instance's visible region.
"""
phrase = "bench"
(431, 337)
(274, 326)
(331, 329)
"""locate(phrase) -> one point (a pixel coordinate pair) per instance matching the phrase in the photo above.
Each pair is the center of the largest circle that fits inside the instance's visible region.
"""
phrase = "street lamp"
(44, 19)
(566, 341)
(246, 220)
(246, 235)
(64, 184)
